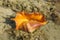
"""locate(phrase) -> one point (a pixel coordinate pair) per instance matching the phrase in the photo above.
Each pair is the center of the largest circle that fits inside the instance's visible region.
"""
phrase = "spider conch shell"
(29, 21)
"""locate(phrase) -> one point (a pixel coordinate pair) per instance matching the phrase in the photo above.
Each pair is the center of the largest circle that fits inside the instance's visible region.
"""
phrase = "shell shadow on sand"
(10, 22)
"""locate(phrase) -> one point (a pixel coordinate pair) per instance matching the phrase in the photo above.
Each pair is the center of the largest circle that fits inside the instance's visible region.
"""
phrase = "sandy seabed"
(8, 9)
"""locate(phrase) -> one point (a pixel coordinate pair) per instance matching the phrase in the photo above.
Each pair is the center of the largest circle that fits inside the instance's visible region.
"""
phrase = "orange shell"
(29, 21)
